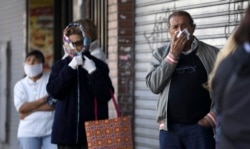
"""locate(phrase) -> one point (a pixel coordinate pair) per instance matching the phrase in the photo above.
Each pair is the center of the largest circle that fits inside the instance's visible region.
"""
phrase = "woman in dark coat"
(77, 81)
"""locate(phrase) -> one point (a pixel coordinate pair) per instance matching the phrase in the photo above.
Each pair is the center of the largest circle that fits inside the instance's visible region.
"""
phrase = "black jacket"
(231, 85)
(75, 91)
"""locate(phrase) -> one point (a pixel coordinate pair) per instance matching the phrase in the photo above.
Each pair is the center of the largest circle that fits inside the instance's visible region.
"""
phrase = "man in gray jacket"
(178, 72)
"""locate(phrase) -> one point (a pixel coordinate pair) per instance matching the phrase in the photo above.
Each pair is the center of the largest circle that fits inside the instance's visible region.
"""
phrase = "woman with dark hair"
(230, 85)
(30, 99)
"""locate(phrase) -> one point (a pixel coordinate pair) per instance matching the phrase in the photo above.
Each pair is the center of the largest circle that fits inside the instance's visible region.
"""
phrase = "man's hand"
(204, 122)
(178, 44)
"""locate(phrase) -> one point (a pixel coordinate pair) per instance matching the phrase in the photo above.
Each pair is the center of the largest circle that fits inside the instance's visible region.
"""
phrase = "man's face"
(179, 23)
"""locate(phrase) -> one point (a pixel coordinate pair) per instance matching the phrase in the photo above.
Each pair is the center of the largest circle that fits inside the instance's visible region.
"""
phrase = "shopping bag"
(112, 133)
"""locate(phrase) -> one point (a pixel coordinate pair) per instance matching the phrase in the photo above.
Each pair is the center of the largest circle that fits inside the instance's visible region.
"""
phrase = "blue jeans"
(187, 136)
(36, 143)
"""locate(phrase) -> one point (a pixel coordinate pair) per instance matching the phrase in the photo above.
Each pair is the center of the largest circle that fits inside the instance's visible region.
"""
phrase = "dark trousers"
(187, 136)
(72, 147)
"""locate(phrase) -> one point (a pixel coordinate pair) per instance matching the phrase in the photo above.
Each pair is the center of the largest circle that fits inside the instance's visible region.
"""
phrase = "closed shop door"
(215, 20)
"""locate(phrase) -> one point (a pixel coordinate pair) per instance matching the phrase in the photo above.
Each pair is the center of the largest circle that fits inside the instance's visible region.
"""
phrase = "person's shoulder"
(164, 47)
(162, 51)
(241, 55)
(60, 63)
(98, 53)
(21, 81)
(46, 74)
(97, 60)
(209, 46)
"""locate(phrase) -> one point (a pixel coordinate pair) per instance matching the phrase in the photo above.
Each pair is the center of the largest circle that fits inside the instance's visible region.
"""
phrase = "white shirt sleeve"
(19, 95)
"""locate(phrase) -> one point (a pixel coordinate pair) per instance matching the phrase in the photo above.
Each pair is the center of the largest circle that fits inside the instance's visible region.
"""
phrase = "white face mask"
(33, 70)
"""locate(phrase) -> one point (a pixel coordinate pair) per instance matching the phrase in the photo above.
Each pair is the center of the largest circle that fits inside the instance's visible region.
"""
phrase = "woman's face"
(76, 41)
(74, 46)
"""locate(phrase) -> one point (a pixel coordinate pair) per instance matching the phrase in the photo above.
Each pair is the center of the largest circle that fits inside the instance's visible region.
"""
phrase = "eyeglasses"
(77, 43)
(185, 69)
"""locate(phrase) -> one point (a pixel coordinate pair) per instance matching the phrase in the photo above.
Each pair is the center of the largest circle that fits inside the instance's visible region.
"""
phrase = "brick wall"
(121, 52)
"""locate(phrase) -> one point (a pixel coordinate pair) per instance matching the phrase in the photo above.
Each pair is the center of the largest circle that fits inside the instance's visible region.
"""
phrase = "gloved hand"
(76, 61)
(89, 65)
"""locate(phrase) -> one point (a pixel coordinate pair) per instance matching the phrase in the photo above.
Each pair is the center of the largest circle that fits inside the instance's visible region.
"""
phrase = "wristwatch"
(51, 101)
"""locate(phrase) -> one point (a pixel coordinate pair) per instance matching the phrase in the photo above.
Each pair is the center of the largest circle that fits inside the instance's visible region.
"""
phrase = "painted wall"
(12, 30)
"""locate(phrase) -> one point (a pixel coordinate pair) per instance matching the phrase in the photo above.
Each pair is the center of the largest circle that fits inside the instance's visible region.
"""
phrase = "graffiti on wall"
(126, 69)
(159, 35)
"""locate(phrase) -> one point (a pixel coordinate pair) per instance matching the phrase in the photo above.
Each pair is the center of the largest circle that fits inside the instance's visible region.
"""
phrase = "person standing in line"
(177, 72)
(30, 99)
(228, 49)
(229, 84)
(80, 82)
(91, 31)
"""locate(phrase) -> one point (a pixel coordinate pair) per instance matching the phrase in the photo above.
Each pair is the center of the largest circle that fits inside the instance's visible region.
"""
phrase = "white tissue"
(184, 31)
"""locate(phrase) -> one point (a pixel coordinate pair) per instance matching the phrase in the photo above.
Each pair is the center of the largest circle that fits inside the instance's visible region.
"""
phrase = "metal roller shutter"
(215, 20)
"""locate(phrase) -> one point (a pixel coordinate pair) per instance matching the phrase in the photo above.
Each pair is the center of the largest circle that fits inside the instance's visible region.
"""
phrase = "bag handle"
(117, 109)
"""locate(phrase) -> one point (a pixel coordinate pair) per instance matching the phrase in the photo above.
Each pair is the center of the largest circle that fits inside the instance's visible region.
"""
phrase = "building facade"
(129, 31)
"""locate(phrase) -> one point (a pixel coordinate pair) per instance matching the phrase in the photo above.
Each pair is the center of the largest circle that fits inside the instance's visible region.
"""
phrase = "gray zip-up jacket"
(159, 74)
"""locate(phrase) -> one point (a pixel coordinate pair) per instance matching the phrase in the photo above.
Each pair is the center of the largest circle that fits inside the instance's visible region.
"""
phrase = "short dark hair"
(181, 13)
(38, 54)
